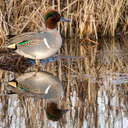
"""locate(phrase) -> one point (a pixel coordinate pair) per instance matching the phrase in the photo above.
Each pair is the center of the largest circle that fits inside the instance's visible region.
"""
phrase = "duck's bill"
(12, 83)
(62, 19)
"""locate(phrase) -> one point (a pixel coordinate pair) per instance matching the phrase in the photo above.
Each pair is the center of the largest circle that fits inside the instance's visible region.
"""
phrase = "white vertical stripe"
(47, 89)
(46, 43)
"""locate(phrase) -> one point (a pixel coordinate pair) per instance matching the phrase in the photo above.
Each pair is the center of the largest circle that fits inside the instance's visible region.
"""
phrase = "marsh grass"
(91, 18)
(86, 72)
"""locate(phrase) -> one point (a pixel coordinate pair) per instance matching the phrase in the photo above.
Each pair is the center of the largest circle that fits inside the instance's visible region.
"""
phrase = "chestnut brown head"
(53, 112)
(51, 18)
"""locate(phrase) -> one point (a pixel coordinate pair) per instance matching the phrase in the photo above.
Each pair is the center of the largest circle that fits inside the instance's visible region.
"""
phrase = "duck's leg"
(37, 64)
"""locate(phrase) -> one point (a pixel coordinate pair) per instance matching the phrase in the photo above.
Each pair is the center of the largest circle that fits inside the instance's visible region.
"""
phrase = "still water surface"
(94, 81)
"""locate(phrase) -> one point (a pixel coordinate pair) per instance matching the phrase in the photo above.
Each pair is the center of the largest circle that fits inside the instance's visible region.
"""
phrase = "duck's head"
(53, 112)
(51, 18)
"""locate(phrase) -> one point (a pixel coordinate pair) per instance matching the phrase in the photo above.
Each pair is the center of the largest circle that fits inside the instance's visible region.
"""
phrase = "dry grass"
(90, 17)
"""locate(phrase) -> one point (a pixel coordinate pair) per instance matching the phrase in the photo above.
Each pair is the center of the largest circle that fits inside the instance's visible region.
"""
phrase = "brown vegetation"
(87, 73)
(93, 18)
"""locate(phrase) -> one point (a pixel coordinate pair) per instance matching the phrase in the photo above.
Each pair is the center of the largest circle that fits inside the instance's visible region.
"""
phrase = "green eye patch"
(25, 89)
(51, 116)
(48, 15)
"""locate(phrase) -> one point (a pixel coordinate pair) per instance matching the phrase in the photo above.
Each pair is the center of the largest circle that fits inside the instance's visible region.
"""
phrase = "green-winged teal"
(39, 84)
(39, 45)
(42, 85)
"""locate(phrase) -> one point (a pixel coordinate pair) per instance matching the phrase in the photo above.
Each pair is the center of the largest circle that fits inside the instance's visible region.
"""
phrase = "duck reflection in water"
(42, 85)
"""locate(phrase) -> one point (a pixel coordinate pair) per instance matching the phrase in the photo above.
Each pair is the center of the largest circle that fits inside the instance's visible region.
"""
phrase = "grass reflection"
(95, 87)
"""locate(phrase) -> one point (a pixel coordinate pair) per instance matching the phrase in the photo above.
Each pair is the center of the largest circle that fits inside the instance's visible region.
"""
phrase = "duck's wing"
(26, 89)
(30, 90)
(26, 37)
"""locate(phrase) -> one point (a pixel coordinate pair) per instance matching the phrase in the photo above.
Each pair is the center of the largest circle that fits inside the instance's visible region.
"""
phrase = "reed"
(88, 82)
(91, 18)
(88, 72)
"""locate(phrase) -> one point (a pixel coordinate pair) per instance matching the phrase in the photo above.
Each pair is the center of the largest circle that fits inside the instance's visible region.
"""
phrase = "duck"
(39, 45)
(43, 85)
(39, 84)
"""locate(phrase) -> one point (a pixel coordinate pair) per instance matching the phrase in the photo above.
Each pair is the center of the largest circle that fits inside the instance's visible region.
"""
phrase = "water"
(95, 85)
